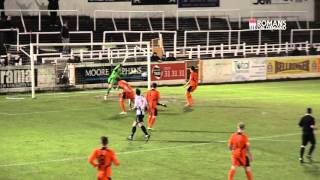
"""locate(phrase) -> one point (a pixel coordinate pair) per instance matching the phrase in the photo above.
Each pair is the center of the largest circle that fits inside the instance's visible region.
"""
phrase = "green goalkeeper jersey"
(116, 72)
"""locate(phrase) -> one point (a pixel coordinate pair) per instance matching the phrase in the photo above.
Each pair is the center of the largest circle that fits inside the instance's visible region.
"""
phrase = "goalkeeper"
(112, 79)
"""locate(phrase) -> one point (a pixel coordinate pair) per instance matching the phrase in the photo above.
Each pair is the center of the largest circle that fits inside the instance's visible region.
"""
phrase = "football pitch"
(51, 137)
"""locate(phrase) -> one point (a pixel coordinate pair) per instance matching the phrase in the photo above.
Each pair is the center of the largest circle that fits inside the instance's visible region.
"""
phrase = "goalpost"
(129, 49)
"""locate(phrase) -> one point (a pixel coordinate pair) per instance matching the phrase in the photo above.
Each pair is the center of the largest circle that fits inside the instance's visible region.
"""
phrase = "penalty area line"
(262, 138)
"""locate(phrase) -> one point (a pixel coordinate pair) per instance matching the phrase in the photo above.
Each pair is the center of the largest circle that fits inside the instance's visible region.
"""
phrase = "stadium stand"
(194, 33)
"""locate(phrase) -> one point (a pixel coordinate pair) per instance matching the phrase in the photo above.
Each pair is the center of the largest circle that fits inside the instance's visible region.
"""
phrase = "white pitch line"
(263, 138)
(274, 136)
(14, 98)
(52, 111)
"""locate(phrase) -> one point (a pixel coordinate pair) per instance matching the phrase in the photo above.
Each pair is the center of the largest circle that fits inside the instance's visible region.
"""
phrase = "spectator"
(313, 50)
(155, 57)
(296, 52)
(15, 60)
(163, 58)
(3, 15)
(2, 60)
(8, 23)
(53, 5)
(65, 36)
(10, 36)
(171, 57)
(2, 34)
(3, 50)
(9, 59)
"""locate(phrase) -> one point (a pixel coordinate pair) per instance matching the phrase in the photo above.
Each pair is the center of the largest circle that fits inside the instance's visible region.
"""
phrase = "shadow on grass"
(187, 109)
(116, 117)
(312, 168)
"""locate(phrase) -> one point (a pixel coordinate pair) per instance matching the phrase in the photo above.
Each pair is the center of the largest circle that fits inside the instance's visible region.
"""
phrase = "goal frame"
(33, 55)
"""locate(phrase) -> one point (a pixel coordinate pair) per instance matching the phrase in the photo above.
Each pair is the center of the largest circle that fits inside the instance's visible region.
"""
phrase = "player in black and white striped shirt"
(140, 104)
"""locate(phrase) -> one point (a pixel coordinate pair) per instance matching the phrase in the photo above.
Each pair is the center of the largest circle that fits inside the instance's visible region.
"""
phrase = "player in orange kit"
(192, 85)
(102, 159)
(127, 93)
(153, 98)
(241, 155)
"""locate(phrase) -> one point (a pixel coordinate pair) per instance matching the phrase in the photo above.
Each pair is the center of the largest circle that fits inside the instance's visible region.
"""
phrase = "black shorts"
(139, 118)
(191, 88)
(153, 111)
(306, 138)
(247, 162)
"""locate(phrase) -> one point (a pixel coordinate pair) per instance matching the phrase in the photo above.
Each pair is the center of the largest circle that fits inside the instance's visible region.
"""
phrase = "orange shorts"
(102, 175)
(127, 95)
(240, 161)
(153, 111)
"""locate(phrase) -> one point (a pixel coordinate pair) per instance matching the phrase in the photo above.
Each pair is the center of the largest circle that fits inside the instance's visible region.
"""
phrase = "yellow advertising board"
(293, 67)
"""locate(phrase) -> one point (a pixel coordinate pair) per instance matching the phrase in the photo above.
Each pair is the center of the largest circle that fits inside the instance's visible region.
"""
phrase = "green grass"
(185, 145)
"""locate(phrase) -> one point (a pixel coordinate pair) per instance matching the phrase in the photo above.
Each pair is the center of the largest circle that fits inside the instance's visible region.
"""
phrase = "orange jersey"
(239, 144)
(103, 159)
(125, 86)
(153, 97)
(193, 79)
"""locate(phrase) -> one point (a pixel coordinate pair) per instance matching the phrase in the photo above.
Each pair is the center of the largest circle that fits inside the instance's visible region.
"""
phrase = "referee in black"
(307, 123)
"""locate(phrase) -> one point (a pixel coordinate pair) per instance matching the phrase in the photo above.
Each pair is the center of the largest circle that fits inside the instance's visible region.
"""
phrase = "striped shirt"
(140, 103)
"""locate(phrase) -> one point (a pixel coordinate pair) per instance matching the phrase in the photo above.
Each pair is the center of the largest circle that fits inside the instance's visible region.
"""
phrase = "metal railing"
(110, 54)
(208, 32)
(281, 14)
(17, 31)
(303, 30)
(208, 13)
(129, 16)
(244, 49)
(141, 33)
(39, 13)
(48, 33)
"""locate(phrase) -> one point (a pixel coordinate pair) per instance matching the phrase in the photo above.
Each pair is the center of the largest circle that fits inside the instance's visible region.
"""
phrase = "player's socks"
(108, 91)
(301, 152)
(130, 138)
(232, 172)
(153, 120)
(189, 99)
(309, 157)
(249, 175)
(311, 150)
(133, 130)
(149, 122)
(122, 105)
(144, 130)
(147, 137)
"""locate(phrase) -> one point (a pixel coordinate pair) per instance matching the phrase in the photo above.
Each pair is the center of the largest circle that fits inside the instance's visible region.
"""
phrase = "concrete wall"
(45, 78)
(245, 6)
